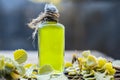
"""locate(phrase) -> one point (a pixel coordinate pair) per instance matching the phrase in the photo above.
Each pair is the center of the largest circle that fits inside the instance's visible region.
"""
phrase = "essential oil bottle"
(51, 39)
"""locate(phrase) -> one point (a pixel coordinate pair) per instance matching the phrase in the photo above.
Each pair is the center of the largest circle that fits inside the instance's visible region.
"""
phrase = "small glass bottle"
(51, 41)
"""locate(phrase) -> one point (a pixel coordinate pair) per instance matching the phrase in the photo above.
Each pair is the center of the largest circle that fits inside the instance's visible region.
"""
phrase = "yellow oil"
(51, 45)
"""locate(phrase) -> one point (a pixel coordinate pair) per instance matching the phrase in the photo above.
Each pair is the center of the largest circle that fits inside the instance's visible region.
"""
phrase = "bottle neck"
(50, 19)
(49, 22)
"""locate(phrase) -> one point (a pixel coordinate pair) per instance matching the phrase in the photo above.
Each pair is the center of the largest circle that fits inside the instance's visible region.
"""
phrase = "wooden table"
(33, 55)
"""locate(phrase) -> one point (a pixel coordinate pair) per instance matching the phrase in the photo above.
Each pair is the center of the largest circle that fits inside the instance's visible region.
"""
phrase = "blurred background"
(90, 24)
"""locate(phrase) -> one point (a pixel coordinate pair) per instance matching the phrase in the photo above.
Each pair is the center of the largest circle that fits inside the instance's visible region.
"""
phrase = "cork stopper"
(51, 13)
(50, 8)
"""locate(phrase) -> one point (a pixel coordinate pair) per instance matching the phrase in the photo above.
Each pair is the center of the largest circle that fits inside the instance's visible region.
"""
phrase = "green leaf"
(21, 70)
(91, 61)
(103, 76)
(2, 62)
(30, 70)
(85, 54)
(46, 69)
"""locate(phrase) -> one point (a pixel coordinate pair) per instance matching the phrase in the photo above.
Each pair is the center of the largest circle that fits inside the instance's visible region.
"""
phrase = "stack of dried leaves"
(89, 67)
(10, 69)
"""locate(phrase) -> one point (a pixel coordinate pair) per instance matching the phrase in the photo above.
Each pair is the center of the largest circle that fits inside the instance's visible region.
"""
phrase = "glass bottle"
(51, 41)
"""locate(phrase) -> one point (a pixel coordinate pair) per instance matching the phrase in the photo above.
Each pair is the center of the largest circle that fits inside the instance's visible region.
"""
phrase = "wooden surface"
(33, 55)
